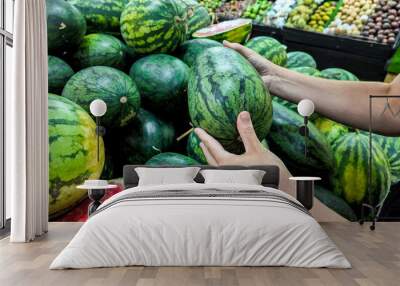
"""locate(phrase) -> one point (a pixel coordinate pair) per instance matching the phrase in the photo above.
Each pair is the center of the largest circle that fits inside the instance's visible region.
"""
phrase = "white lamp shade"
(305, 107)
(98, 107)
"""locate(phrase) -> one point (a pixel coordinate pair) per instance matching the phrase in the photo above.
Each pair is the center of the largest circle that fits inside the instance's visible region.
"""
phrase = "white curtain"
(26, 124)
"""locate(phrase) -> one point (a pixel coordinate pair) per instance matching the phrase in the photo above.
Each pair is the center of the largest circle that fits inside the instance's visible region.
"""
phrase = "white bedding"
(200, 231)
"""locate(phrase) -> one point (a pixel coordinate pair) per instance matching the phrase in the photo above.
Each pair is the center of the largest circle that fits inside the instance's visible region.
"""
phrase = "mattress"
(201, 225)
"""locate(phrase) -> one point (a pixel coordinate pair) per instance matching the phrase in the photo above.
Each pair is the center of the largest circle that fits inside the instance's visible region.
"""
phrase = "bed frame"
(271, 177)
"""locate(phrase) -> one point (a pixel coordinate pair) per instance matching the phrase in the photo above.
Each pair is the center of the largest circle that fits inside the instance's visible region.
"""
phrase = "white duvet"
(200, 231)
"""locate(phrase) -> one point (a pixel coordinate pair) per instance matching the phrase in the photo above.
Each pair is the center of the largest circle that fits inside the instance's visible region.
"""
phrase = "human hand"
(267, 70)
(254, 153)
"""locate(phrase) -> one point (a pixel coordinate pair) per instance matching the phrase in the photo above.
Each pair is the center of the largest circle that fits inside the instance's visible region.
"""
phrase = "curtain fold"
(26, 124)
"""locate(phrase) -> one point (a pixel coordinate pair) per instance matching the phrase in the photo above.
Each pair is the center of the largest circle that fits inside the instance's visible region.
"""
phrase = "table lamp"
(305, 108)
(98, 108)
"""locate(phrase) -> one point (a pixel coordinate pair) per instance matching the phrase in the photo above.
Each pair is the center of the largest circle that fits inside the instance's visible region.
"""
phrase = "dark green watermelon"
(66, 26)
(194, 150)
(221, 85)
(172, 159)
(102, 50)
(285, 140)
(335, 203)
(198, 16)
(391, 147)
(154, 26)
(59, 72)
(102, 16)
(162, 82)
(300, 59)
(338, 74)
(350, 178)
(269, 48)
(72, 153)
(113, 86)
(145, 137)
(189, 50)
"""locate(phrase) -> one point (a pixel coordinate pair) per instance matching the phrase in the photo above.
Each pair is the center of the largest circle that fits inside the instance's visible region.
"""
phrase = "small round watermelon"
(234, 31)
(331, 129)
(59, 72)
(154, 26)
(189, 50)
(102, 50)
(72, 153)
(221, 85)
(307, 71)
(198, 16)
(338, 74)
(300, 59)
(391, 147)
(194, 150)
(350, 178)
(162, 81)
(102, 16)
(269, 48)
(171, 159)
(66, 26)
(145, 137)
(113, 86)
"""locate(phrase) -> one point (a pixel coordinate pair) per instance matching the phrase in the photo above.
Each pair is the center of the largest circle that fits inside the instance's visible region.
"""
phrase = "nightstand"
(95, 194)
(305, 190)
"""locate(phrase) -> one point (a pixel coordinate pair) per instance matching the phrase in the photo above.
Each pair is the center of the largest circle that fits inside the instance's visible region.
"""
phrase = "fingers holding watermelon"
(247, 133)
(254, 154)
(261, 64)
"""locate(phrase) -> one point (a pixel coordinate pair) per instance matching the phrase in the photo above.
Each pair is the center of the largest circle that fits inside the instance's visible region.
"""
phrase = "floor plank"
(375, 257)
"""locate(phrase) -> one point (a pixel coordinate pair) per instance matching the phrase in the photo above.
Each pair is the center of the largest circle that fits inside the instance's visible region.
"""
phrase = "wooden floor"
(375, 257)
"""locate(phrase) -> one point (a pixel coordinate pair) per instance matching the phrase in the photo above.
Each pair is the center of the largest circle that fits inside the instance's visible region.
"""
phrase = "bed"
(197, 224)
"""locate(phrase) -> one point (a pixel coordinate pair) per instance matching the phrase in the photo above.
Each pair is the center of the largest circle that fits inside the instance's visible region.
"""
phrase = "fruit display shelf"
(368, 59)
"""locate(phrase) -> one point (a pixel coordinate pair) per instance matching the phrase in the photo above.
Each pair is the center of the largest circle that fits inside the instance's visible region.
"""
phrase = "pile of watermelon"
(162, 70)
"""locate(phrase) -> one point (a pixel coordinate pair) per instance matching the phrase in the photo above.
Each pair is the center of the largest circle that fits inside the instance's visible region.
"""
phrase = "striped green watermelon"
(338, 74)
(198, 16)
(269, 48)
(189, 50)
(66, 26)
(145, 137)
(391, 147)
(172, 159)
(335, 203)
(300, 59)
(350, 178)
(330, 129)
(221, 85)
(307, 71)
(72, 153)
(162, 82)
(113, 86)
(102, 50)
(154, 26)
(285, 140)
(235, 31)
(102, 16)
(59, 72)
(194, 150)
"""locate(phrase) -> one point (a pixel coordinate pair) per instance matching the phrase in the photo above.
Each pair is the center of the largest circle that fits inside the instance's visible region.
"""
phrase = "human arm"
(346, 102)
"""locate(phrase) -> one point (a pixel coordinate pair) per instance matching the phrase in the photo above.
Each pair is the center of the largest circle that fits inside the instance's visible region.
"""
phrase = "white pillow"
(247, 177)
(164, 176)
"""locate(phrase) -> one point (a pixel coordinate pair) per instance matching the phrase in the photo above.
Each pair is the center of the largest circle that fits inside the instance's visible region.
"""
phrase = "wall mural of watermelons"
(161, 68)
